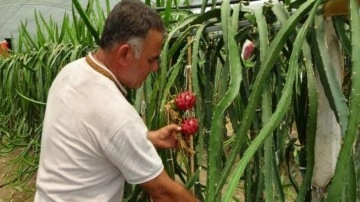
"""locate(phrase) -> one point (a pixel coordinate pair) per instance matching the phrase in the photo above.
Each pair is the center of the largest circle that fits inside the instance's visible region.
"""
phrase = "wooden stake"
(189, 88)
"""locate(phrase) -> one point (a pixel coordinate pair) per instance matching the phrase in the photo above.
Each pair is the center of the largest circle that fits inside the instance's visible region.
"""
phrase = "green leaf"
(285, 100)
(338, 182)
(86, 20)
(217, 123)
(311, 124)
(328, 75)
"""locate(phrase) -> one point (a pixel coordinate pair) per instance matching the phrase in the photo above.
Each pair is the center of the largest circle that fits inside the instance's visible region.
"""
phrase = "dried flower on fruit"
(183, 145)
(173, 115)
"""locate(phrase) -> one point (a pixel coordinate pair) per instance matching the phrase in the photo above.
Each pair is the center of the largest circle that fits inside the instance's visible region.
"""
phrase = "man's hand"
(165, 137)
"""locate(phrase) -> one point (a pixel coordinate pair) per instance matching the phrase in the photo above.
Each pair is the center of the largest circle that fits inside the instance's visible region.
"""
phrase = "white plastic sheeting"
(13, 12)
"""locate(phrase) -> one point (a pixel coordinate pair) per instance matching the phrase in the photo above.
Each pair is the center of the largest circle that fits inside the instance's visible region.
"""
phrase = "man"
(93, 139)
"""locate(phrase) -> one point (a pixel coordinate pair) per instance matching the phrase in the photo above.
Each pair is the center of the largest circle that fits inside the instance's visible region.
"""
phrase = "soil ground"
(14, 193)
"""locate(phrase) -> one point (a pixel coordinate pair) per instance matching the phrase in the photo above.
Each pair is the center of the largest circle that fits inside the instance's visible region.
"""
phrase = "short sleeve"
(131, 152)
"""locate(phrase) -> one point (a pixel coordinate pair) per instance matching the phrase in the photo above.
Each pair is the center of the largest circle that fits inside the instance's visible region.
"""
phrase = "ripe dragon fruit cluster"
(186, 101)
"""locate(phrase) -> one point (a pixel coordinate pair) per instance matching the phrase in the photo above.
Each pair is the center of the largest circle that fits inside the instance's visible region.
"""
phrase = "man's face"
(140, 67)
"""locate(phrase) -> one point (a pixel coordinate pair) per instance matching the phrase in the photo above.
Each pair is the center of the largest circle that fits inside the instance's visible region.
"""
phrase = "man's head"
(132, 41)
(129, 20)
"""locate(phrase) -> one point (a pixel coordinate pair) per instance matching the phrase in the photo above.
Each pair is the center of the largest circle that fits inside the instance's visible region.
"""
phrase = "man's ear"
(123, 53)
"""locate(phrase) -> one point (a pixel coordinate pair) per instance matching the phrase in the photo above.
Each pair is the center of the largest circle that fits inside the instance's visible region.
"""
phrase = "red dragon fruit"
(247, 50)
(189, 126)
(4, 47)
(185, 100)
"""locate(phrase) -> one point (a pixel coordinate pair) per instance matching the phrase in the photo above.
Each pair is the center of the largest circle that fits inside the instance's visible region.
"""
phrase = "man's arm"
(163, 188)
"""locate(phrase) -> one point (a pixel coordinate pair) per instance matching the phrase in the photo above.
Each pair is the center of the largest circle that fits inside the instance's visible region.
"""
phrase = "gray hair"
(137, 44)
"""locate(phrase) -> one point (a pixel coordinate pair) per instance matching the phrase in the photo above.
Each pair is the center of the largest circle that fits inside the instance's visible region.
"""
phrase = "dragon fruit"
(189, 126)
(185, 100)
(247, 50)
(4, 47)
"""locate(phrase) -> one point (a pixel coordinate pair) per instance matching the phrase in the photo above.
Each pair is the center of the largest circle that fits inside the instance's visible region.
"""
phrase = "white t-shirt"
(92, 141)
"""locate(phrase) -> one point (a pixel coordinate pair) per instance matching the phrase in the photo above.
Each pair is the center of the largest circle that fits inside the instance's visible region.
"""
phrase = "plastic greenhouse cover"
(13, 12)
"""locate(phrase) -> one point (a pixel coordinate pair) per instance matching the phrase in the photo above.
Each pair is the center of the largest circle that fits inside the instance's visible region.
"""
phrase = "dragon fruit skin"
(189, 126)
(185, 100)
